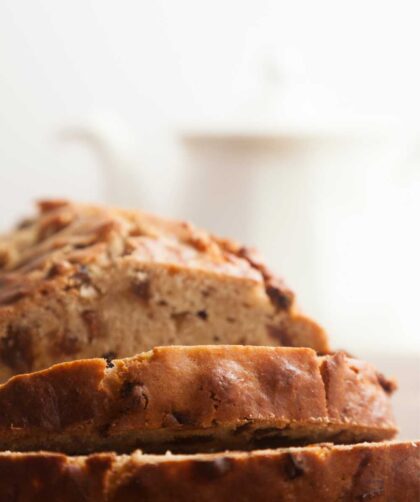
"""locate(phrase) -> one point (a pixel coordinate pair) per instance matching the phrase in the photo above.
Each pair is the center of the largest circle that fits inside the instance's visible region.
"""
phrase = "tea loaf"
(196, 399)
(380, 472)
(80, 281)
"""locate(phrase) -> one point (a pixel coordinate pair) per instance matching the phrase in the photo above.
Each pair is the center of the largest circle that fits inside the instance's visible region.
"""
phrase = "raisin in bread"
(80, 281)
(202, 398)
(381, 472)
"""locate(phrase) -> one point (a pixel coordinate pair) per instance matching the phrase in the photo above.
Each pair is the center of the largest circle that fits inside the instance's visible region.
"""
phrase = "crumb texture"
(79, 281)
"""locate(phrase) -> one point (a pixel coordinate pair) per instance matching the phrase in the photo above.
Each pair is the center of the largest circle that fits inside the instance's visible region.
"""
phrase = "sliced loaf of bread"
(196, 399)
(80, 281)
(380, 472)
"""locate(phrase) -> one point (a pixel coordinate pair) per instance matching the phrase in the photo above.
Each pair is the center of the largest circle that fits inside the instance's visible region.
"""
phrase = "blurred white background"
(290, 125)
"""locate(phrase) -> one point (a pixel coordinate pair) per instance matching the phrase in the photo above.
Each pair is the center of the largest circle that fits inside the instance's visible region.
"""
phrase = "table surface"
(406, 400)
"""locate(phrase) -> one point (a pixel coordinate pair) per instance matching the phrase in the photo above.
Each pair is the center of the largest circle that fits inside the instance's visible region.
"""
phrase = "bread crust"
(201, 398)
(81, 281)
(383, 472)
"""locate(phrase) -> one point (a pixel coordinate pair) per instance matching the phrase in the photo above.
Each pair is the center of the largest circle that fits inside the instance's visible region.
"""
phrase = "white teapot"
(330, 207)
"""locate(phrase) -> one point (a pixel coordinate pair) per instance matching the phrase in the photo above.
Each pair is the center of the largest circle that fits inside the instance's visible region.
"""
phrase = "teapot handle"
(112, 145)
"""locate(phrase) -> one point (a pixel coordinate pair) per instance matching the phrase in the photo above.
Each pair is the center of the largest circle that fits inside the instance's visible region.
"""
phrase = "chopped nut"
(50, 204)
(53, 224)
(103, 231)
(88, 291)
(58, 269)
(200, 242)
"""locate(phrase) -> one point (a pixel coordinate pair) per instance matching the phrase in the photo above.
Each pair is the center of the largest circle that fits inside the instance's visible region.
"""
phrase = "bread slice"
(196, 399)
(81, 281)
(327, 473)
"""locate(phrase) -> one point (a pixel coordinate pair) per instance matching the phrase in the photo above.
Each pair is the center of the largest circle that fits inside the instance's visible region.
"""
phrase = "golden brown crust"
(202, 398)
(78, 281)
(382, 472)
